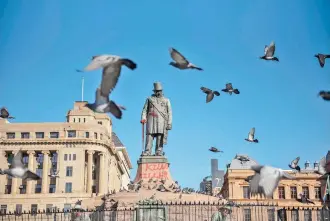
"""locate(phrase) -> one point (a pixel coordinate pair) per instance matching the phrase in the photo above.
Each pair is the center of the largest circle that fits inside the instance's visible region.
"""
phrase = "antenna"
(82, 89)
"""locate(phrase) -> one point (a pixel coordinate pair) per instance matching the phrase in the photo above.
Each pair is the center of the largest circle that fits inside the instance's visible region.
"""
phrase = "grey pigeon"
(104, 105)
(243, 159)
(321, 58)
(251, 136)
(54, 174)
(111, 65)
(294, 164)
(304, 199)
(269, 52)
(325, 95)
(321, 169)
(18, 170)
(5, 114)
(266, 180)
(180, 61)
(229, 89)
(215, 150)
(210, 94)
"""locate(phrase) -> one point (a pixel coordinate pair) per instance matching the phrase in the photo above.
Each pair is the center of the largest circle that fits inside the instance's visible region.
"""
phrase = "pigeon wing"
(110, 77)
(251, 134)
(99, 99)
(321, 169)
(229, 86)
(271, 50)
(265, 49)
(295, 162)
(206, 90)
(178, 57)
(255, 188)
(216, 93)
(97, 62)
(209, 97)
(17, 160)
(30, 176)
(269, 180)
(4, 112)
(321, 59)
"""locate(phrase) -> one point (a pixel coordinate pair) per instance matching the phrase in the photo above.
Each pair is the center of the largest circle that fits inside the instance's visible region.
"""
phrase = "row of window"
(41, 135)
(34, 208)
(293, 192)
(282, 215)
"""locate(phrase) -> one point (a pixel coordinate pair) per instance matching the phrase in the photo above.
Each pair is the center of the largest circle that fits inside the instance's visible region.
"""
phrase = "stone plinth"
(153, 167)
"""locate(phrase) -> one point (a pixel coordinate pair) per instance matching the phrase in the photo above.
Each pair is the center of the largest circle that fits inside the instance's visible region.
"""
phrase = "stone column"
(45, 169)
(57, 181)
(29, 183)
(101, 174)
(14, 180)
(89, 171)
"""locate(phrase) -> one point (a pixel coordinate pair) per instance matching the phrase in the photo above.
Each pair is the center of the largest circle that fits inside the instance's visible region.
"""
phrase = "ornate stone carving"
(90, 151)
(45, 152)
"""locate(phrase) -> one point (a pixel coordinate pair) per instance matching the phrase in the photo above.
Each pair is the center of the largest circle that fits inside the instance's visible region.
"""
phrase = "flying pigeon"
(215, 150)
(229, 89)
(18, 170)
(294, 164)
(304, 199)
(210, 94)
(54, 174)
(321, 169)
(251, 136)
(242, 159)
(180, 61)
(266, 180)
(269, 52)
(325, 95)
(104, 105)
(111, 65)
(5, 114)
(321, 58)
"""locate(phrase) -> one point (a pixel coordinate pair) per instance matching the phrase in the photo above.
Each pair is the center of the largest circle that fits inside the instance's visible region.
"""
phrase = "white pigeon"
(17, 169)
(266, 179)
(104, 105)
(251, 136)
(180, 61)
(269, 52)
(111, 65)
(321, 169)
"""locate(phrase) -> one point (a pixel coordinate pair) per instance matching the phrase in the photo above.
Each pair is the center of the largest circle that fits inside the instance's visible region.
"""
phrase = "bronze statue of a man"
(157, 114)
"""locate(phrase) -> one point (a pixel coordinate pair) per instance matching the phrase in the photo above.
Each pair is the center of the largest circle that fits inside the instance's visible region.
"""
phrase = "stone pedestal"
(156, 167)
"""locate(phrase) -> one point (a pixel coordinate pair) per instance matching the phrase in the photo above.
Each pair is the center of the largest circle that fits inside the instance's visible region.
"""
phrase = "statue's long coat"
(156, 124)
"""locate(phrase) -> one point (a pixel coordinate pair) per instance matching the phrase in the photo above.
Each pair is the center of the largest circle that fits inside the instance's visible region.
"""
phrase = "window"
(68, 187)
(293, 191)
(307, 215)
(271, 214)
(54, 134)
(18, 209)
(69, 156)
(95, 135)
(84, 120)
(34, 209)
(317, 191)
(49, 208)
(40, 135)
(22, 189)
(25, 135)
(281, 193)
(3, 209)
(10, 135)
(68, 171)
(101, 136)
(39, 172)
(294, 215)
(38, 188)
(282, 214)
(247, 214)
(87, 134)
(74, 120)
(305, 191)
(8, 189)
(65, 157)
(93, 175)
(99, 122)
(246, 192)
(52, 188)
(71, 133)
(94, 189)
(74, 156)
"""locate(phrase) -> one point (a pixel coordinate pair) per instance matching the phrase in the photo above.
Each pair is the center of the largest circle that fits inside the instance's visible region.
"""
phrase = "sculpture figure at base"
(157, 115)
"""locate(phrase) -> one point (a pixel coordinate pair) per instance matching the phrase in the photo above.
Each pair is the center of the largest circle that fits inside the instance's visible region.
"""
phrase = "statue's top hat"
(157, 86)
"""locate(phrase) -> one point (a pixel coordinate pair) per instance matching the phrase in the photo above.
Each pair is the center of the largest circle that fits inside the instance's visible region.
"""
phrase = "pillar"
(29, 183)
(57, 181)
(101, 174)
(89, 170)
(45, 169)
(14, 180)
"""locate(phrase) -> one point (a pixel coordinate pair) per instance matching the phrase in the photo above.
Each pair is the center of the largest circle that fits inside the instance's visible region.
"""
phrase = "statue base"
(152, 167)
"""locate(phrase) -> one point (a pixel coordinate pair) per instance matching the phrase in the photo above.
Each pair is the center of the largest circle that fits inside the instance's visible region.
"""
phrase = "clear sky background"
(43, 42)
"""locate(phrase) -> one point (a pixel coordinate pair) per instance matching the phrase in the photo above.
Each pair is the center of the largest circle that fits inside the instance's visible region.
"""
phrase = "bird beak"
(286, 175)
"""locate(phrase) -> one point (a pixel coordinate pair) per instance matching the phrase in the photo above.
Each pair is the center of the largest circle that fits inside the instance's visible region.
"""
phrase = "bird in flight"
(269, 52)
(229, 89)
(180, 61)
(209, 94)
(325, 95)
(5, 114)
(321, 58)
(294, 164)
(251, 136)
(215, 150)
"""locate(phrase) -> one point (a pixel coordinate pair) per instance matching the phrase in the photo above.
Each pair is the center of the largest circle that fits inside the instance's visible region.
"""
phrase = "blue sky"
(43, 42)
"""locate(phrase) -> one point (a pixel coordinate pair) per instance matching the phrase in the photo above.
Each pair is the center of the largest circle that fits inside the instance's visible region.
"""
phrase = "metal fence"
(176, 212)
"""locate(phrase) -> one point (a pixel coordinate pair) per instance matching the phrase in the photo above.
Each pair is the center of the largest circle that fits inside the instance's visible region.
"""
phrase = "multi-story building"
(217, 176)
(81, 150)
(307, 182)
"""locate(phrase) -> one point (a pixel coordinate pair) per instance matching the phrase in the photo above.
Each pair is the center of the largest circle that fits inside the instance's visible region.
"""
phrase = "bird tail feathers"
(115, 110)
(256, 140)
(236, 91)
(128, 63)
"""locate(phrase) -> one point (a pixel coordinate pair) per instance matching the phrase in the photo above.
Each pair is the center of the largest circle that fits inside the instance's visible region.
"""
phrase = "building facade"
(80, 150)
(307, 182)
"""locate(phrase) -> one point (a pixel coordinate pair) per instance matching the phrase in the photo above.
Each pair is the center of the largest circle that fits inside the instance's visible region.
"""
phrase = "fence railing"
(175, 212)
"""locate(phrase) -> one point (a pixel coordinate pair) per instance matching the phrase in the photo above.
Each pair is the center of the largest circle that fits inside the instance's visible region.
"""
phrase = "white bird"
(104, 105)
(111, 65)
(269, 52)
(266, 179)
(17, 169)
(218, 180)
(5, 114)
(180, 61)
(251, 136)
(321, 169)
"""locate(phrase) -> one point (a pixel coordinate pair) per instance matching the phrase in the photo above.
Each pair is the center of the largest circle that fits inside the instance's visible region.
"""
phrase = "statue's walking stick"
(142, 138)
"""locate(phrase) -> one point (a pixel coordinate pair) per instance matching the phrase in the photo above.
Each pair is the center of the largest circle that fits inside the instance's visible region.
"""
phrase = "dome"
(239, 165)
